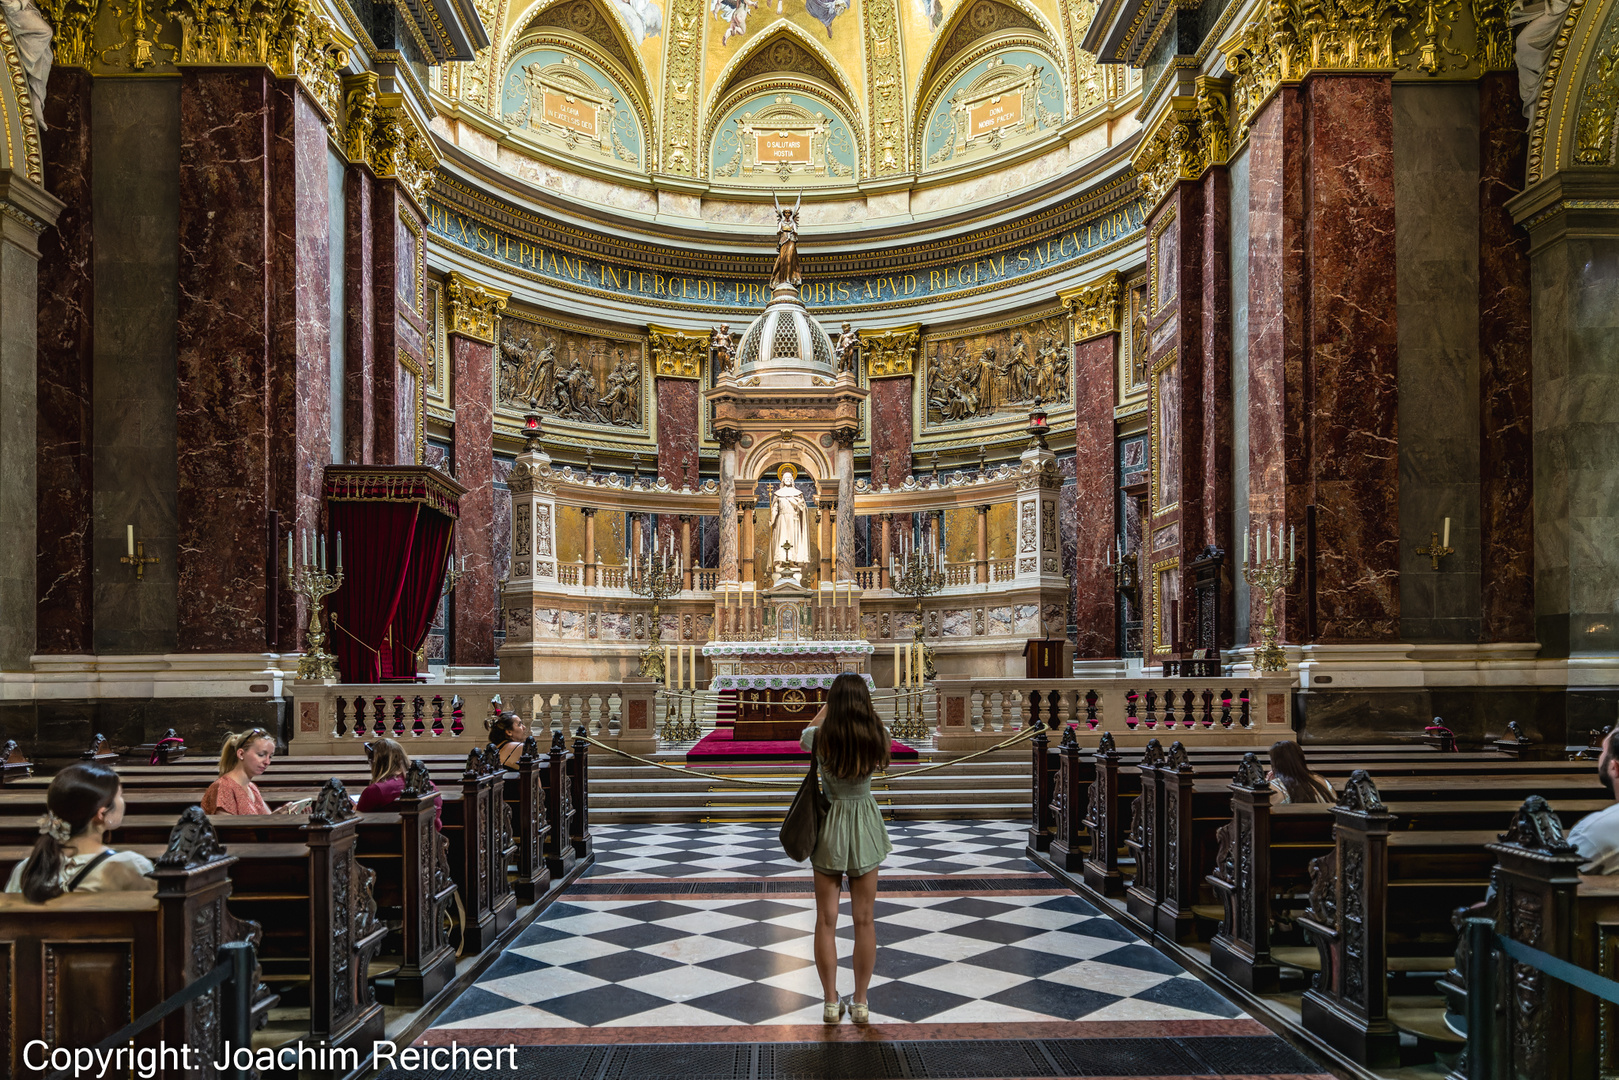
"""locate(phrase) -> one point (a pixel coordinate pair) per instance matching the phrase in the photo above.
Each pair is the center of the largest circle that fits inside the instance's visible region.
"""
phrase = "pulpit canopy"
(399, 521)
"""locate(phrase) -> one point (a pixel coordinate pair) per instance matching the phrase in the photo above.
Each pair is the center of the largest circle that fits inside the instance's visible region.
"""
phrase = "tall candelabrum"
(1269, 574)
(311, 581)
(657, 579)
(916, 574)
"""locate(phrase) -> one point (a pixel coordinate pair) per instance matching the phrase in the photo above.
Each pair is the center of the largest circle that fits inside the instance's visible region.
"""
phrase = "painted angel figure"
(847, 349)
(734, 13)
(786, 271)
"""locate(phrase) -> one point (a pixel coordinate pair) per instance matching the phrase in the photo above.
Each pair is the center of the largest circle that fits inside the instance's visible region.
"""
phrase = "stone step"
(928, 782)
(763, 812)
(781, 797)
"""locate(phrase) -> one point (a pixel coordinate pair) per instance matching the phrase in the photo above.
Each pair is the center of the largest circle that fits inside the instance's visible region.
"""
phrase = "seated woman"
(84, 802)
(388, 764)
(1291, 777)
(243, 757)
(507, 731)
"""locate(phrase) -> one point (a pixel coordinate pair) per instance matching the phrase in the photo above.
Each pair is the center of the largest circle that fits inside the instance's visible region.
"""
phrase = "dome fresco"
(738, 94)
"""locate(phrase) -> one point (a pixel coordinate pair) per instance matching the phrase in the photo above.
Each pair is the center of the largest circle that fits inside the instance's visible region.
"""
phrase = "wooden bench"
(77, 968)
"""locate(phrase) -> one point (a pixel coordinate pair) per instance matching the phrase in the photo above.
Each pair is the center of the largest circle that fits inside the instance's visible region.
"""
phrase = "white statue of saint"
(788, 523)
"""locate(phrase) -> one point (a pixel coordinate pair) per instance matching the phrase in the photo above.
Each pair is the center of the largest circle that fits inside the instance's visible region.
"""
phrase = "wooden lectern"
(1043, 658)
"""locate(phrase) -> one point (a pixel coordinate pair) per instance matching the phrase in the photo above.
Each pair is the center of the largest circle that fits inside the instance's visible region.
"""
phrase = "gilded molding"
(890, 352)
(27, 115)
(1598, 101)
(678, 152)
(1493, 35)
(1539, 124)
(474, 309)
(359, 115)
(885, 89)
(1214, 118)
(73, 43)
(399, 149)
(290, 37)
(1173, 149)
(1093, 309)
(678, 354)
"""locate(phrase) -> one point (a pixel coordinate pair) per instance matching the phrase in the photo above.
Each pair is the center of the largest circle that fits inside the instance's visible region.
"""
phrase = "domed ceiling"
(811, 94)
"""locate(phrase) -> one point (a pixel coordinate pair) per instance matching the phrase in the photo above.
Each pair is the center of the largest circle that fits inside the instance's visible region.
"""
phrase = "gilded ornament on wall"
(890, 352)
(1094, 308)
(577, 376)
(474, 309)
(1004, 370)
(678, 353)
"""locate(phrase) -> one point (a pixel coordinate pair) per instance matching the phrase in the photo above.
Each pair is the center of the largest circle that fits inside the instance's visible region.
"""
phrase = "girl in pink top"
(243, 757)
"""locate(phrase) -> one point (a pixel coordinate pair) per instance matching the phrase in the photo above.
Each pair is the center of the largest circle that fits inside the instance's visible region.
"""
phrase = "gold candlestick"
(1268, 576)
(139, 560)
(315, 585)
(1435, 550)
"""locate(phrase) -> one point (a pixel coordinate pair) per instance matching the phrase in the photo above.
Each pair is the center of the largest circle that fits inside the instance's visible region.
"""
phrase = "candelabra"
(312, 582)
(1268, 576)
(657, 581)
(919, 574)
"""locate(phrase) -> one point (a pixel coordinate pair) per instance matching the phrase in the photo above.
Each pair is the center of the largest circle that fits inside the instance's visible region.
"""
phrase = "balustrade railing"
(866, 577)
(569, 573)
(1185, 707)
(958, 573)
(446, 718)
(705, 580)
(1001, 570)
(611, 577)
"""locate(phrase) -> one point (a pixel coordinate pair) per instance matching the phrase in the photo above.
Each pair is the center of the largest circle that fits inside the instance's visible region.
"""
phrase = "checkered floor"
(729, 851)
(966, 935)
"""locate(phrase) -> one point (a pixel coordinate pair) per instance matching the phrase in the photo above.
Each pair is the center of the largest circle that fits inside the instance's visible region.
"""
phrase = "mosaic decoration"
(570, 104)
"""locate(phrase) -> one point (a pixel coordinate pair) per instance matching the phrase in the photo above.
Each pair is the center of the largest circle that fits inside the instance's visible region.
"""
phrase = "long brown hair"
(1294, 775)
(853, 743)
(244, 740)
(500, 728)
(76, 795)
(388, 759)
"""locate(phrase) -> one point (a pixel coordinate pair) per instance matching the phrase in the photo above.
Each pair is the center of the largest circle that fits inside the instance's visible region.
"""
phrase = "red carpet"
(718, 745)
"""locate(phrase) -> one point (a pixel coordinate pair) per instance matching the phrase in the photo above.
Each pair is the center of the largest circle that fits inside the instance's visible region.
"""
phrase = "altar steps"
(991, 787)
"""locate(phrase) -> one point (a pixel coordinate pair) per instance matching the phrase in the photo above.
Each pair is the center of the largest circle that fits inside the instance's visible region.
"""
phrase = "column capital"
(982, 508)
(728, 438)
(890, 352)
(1093, 308)
(588, 511)
(677, 354)
(687, 519)
(474, 308)
(845, 437)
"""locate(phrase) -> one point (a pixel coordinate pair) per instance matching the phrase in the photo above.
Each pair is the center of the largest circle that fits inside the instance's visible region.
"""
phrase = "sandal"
(833, 1011)
(860, 1012)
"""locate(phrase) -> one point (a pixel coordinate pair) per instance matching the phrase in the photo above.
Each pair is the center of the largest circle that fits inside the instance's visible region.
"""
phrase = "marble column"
(223, 440)
(749, 528)
(891, 430)
(678, 426)
(590, 544)
(359, 314)
(727, 439)
(884, 549)
(1506, 442)
(843, 461)
(472, 316)
(685, 551)
(1216, 527)
(1095, 611)
(981, 559)
(65, 436)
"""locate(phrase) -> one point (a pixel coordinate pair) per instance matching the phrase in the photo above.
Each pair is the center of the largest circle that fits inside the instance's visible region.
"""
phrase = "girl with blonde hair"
(389, 763)
(243, 757)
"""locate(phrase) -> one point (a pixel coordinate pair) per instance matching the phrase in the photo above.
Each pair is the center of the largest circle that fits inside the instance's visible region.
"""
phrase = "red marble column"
(474, 597)
(226, 120)
(359, 314)
(1506, 450)
(1352, 379)
(678, 404)
(1095, 599)
(1276, 312)
(300, 342)
(890, 404)
(65, 616)
(1215, 521)
(400, 327)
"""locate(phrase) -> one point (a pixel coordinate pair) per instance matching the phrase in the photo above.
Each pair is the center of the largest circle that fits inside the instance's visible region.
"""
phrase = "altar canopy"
(397, 523)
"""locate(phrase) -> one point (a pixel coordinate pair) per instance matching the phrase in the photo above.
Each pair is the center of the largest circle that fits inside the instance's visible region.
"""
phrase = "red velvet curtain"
(377, 541)
(418, 598)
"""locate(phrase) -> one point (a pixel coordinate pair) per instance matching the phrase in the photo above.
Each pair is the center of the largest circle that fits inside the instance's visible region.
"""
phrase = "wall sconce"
(1438, 548)
(136, 555)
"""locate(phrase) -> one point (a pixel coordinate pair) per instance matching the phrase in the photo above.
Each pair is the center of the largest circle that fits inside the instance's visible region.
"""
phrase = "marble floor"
(687, 952)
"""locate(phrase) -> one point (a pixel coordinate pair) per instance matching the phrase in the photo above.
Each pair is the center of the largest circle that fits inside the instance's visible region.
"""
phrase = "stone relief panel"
(974, 374)
(576, 375)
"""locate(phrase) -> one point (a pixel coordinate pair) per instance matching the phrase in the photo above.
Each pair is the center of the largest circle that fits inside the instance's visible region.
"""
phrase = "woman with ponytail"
(244, 756)
(508, 732)
(83, 804)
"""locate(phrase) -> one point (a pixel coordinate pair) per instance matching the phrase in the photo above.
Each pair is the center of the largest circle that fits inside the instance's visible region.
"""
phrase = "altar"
(779, 686)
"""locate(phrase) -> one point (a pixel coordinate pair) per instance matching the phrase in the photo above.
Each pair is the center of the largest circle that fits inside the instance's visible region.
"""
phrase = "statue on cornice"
(847, 350)
(786, 271)
(722, 346)
(1540, 20)
(32, 35)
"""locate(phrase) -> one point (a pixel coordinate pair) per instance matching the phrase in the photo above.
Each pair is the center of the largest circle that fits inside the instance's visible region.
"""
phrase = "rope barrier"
(890, 778)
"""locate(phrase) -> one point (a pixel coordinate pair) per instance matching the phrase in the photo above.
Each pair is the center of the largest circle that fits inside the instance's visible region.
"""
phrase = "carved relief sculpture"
(569, 374)
(1006, 370)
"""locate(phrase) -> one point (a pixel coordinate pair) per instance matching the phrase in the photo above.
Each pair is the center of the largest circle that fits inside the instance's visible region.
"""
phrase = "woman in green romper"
(850, 744)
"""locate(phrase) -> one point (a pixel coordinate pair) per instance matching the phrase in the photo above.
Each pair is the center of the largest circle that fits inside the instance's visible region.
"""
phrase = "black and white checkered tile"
(728, 851)
(996, 957)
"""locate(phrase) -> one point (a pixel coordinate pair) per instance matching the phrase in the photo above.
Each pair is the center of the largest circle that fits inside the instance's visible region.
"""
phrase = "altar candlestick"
(1290, 548)
(666, 668)
(898, 668)
(129, 539)
(303, 544)
(289, 552)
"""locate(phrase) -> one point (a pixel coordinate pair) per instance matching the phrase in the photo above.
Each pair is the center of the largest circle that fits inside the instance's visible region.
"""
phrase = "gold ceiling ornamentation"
(890, 352)
(475, 309)
(1288, 39)
(400, 150)
(71, 19)
(678, 151)
(678, 354)
(885, 88)
(360, 114)
(1093, 309)
(1172, 150)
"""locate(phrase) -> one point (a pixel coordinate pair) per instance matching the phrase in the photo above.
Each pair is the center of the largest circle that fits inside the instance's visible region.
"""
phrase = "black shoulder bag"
(803, 821)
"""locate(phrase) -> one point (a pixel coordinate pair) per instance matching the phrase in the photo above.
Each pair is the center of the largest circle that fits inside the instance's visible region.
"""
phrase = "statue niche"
(573, 376)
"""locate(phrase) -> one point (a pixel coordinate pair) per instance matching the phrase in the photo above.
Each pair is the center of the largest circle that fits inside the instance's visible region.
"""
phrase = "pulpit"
(397, 522)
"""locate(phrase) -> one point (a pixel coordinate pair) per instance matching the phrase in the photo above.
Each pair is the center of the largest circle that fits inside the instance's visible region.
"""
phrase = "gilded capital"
(399, 148)
(1093, 309)
(678, 354)
(1172, 150)
(72, 42)
(474, 309)
(890, 352)
(359, 114)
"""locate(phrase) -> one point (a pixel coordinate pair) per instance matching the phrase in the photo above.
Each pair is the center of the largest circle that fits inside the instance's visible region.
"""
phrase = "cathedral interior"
(1218, 372)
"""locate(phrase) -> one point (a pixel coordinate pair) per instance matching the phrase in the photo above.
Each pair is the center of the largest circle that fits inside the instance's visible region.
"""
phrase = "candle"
(1245, 547)
(340, 553)
(692, 669)
(1267, 540)
(666, 668)
(129, 537)
(289, 551)
(323, 554)
(897, 665)
(1446, 541)
(680, 657)
(1290, 548)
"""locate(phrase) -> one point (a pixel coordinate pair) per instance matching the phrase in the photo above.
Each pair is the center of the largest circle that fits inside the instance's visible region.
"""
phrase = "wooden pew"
(76, 969)
(14, 764)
